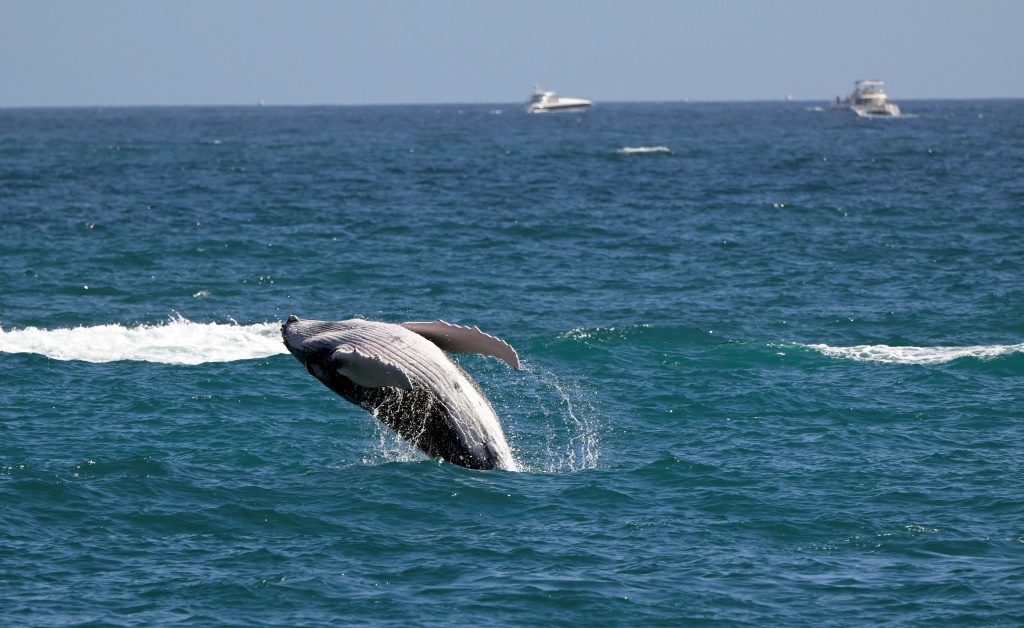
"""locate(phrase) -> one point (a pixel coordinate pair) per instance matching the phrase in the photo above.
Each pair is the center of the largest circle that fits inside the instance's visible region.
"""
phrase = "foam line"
(178, 341)
(916, 355)
(635, 150)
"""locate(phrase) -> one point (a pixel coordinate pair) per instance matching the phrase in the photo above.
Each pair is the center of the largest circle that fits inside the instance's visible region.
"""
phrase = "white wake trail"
(916, 355)
(178, 341)
(641, 150)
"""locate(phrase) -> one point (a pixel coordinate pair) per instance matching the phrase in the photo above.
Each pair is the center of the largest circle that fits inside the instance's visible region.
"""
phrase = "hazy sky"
(172, 52)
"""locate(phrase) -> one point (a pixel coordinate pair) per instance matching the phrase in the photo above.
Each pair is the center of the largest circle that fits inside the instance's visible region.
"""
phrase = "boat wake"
(916, 355)
(178, 341)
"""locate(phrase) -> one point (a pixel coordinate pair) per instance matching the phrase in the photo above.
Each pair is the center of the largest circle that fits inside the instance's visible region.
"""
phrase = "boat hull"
(889, 110)
(574, 108)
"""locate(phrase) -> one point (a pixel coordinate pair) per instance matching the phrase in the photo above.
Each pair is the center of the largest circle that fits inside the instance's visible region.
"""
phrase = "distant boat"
(544, 102)
(868, 100)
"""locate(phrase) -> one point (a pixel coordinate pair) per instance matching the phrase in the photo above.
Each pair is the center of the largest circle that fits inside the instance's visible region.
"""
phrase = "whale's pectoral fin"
(369, 371)
(459, 339)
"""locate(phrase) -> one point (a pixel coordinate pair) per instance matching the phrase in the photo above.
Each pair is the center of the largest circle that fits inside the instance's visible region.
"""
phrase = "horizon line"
(262, 103)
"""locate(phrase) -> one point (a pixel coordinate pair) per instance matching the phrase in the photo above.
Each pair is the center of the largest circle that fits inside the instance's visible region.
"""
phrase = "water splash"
(178, 341)
(563, 434)
(390, 447)
(916, 355)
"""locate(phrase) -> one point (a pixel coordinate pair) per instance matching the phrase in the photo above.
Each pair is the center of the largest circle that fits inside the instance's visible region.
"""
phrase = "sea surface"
(772, 365)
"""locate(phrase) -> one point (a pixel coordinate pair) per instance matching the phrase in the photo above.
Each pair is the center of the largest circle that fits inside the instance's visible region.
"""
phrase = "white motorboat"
(544, 102)
(868, 100)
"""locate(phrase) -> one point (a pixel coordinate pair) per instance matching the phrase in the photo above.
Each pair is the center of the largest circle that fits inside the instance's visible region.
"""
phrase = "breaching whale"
(401, 374)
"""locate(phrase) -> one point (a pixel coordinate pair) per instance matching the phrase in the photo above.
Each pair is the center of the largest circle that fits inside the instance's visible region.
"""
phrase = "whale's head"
(304, 338)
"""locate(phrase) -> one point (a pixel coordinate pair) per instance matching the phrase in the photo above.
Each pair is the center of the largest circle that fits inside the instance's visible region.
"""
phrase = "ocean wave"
(178, 341)
(916, 355)
(635, 150)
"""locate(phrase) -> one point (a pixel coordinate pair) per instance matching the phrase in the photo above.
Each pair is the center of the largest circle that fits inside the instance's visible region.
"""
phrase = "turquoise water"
(772, 365)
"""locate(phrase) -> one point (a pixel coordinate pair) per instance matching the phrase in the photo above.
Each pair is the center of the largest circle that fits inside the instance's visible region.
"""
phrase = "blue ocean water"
(773, 364)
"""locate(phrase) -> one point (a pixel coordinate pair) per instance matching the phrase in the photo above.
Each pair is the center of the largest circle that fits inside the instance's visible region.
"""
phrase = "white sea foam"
(178, 341)
(916, 355)
(634, 150)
